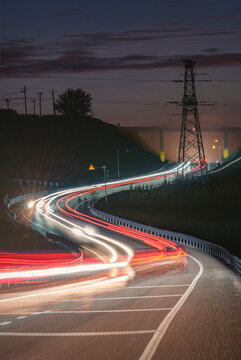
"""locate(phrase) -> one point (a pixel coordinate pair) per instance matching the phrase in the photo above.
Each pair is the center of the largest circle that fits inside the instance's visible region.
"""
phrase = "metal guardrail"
(18, 199)
(9, 202)
(21, 181)
(217, 251)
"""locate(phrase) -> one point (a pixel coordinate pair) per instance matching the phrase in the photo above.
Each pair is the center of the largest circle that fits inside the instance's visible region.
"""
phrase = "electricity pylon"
(191, 144)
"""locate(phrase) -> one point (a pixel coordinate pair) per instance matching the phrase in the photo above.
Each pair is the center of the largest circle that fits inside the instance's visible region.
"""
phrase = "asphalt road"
(161, 312)
(118, 320)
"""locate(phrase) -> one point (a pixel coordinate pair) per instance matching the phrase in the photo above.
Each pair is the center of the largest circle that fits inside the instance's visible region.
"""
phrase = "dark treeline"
(59, 148)
(208, 208)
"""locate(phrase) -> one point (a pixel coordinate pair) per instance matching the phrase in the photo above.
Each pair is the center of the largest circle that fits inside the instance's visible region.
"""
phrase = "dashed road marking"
(117, 298)
(99, 333)
(5, 323)
(51, 312)
(20, 298)
(108, 311)
(21, 317)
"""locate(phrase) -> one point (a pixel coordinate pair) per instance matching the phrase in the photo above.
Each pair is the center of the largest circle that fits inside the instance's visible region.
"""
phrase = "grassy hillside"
(207, 207)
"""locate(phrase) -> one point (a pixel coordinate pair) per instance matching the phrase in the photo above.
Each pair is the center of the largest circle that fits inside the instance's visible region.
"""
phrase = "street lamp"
(104, 167)
(216, 141)
(118, 160)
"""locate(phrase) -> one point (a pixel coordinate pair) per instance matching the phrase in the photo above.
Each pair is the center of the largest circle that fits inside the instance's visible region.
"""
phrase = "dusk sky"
(126, 54)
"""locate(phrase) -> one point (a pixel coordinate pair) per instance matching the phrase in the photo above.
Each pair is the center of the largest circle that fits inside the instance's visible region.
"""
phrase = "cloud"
(215, 33)
(81, 63)
(19, 50)
(107, 38)
(79, 53)
(158, 33)
(211, 50)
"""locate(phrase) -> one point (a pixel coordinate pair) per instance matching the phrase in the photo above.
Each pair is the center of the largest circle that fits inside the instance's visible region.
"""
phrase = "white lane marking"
(159, 333)
(107, 311)
(6, 323)
(50, 312)
(94, 287)
(83, 284)
(20, 298)
(21, 317)
(21, 313)
(99, 333)
(115, 298)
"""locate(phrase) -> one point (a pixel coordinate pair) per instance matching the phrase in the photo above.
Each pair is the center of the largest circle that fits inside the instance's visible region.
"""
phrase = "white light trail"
(43, 206)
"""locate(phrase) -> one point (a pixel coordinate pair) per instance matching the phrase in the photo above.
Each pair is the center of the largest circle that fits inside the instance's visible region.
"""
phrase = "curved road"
(132, 308)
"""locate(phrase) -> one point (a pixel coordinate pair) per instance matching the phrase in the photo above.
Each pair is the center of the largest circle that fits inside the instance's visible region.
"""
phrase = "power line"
(159, 103)
(146, 80)
(40, 102)
(34, 107)
(53, 100)
(7, 103)
(24, 91)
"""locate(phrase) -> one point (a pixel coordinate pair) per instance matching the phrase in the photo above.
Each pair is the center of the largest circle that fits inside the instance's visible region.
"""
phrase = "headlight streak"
(59, 271)
(126, 248)
(130, 232)
(43, 206)
(69, 228)
(31, 204)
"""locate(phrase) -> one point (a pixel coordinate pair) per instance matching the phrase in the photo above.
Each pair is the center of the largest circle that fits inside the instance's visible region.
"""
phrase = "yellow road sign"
(91, 167)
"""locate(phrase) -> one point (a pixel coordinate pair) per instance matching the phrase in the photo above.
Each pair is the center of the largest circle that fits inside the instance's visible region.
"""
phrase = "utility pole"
(40, 103)
(105, 179)
(53, 100)
(191, 144)
(118, 160)
(7, 103)
(24, 92)
(34, 107)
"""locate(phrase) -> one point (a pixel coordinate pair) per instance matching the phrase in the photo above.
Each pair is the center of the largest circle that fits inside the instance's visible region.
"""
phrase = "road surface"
(119, 322)
(132, 310)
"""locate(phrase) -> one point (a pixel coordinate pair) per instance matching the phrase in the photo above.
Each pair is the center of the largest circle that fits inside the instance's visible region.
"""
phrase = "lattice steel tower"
(191, 144)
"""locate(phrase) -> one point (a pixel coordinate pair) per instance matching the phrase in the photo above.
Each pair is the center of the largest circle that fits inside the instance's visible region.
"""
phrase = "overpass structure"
(161, 129)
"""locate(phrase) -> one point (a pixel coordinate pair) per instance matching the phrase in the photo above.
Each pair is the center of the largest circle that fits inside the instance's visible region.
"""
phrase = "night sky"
(128, 54)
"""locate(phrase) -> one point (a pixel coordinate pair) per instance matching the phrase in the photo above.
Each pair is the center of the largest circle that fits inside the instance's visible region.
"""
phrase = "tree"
(74, 103)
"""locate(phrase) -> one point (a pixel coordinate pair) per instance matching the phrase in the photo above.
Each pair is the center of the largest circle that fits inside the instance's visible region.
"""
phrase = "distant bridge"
(161, 129)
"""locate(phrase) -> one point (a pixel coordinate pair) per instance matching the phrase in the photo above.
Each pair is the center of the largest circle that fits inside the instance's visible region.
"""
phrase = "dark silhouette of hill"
(59, 148)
